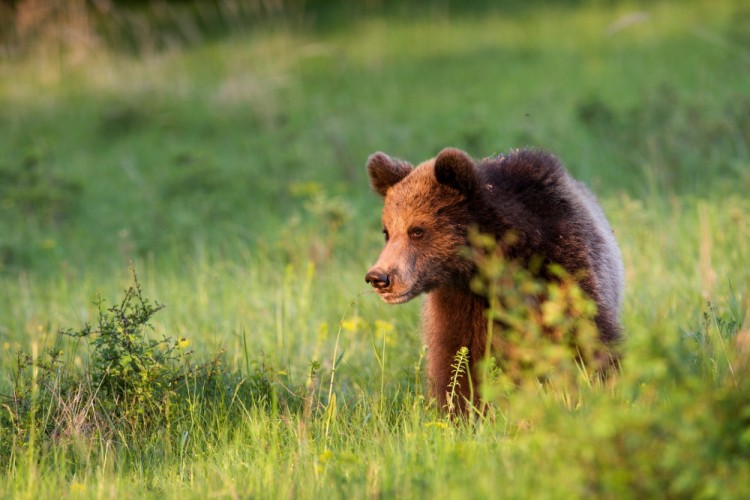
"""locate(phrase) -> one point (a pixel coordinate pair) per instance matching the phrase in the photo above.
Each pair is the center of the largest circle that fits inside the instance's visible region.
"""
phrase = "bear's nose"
(377, 278)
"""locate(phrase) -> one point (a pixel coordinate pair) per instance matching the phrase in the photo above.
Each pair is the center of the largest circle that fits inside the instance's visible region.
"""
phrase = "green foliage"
(136, 376)
(542, 323)
(692, 441)
(129, 388)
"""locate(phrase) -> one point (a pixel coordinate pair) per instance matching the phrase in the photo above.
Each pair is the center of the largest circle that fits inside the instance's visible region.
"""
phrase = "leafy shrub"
(130, 388)
(690, 441)
(543, 326)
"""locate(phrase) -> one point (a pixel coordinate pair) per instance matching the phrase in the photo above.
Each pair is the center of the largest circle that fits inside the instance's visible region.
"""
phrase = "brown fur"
(427, 213)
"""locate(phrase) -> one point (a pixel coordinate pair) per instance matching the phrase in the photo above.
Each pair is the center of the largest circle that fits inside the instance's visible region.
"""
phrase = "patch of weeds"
(130, 388)
(134, 374)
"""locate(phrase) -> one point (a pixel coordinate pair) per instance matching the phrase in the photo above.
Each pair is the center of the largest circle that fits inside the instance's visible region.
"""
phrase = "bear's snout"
(377, 278)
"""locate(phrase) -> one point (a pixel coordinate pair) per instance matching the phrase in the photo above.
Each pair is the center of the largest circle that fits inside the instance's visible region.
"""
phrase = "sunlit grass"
(229, 174)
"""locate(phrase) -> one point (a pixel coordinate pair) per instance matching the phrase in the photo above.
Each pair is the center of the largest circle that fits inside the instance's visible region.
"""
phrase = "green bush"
(542, 322)
(685, 433)
(129, 389)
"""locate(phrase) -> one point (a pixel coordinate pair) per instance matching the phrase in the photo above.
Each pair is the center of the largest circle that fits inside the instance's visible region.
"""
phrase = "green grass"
(229, 172)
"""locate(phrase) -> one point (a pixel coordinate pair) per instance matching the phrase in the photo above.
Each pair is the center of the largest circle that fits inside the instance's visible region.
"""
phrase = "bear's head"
(425, 220)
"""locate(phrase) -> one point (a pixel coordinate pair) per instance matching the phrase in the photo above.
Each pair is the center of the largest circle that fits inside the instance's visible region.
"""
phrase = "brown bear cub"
(426, 218)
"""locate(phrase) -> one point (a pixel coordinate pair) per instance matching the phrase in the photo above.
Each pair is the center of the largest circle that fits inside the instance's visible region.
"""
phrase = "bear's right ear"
(455, 169)
(385, 171)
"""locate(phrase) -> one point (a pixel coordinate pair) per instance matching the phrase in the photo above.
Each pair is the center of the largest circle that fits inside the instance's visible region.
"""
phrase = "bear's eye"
(385, 233)
(416, 233)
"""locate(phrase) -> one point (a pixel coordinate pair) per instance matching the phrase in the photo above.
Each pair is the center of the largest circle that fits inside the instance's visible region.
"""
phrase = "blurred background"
(136, 128)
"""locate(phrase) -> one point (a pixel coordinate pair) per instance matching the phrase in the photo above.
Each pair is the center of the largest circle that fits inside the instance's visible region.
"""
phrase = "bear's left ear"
(455, 169)
(385, 171)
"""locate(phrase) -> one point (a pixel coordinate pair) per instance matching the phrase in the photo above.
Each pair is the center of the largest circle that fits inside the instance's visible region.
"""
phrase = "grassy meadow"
(213, 158)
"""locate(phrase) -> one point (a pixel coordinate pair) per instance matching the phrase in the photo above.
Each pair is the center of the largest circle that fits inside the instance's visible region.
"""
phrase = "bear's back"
(534, 179)
(557, 218)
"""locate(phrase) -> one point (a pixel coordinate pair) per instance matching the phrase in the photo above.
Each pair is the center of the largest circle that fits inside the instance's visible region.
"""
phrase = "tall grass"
(227, 170)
